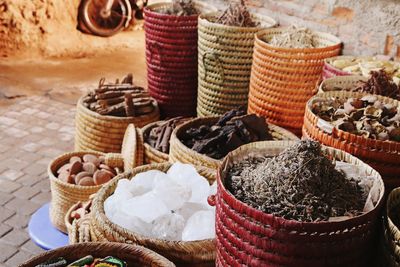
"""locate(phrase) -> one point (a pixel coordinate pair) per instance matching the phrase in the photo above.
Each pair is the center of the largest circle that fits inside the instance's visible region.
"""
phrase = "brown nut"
(89, 167)
(108, 168)
(91, 158)
(65, 167)
(76, 167)
(80, 175)
(64, 176)
(75, 158)
(357, 103)
(102, 159)
(86, 181)
(102, 177)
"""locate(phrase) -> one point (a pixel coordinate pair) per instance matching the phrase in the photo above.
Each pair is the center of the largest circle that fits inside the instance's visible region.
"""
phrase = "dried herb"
(119, 99)
(232, 130)
(238, 15)
(159, 136)
(294, 37)
(380, 83)
(365, 116)
(301, 184)
(181, 8)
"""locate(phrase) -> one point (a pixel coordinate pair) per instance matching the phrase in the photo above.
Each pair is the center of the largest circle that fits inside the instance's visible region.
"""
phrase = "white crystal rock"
(145, 181)
(132, 223)
(171, 194)
(213, 188)
(189, 208)
(200, 225)
(146, 207)
(168, 227)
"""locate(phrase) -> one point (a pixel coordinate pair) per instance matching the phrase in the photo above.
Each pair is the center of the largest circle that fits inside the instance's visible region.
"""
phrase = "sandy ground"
(65, 79)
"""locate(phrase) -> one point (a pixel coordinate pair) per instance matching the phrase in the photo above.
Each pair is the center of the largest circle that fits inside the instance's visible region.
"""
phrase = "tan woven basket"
(225, 57)
(340, 83)
(180, 152)
(189, 253)
(152, 155)
(78, 230)
(283, 79)
(104, 133)
(384, 156)
(133, 255)
(391, 232)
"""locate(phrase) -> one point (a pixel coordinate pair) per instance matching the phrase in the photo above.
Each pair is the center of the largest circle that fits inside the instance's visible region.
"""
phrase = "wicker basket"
(133, 255)
(77, 233)
(340, 83)
(95, 132)
(382, 155)
(180, 152)
(224, 64)
(283, 79)
(102, 229)
(391, 233)
(152, 155)
(171, 56)
(249, 236)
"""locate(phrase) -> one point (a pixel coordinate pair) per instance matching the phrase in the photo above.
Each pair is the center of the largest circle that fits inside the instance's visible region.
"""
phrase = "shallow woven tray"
(134, 255)
(247, 235)
(344, 82)
(102, 229)
(152, 155)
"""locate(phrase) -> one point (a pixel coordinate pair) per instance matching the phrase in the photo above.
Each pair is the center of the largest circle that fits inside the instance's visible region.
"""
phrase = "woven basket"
(95, 132)
(76, 234)
(340, 83)
(181, 153)
(152, 155)
(102, 229)
(133, 255)
(171, 53)
(224, 64)
(249, 236)
(391, 233)
(382, 155)
(283, 79)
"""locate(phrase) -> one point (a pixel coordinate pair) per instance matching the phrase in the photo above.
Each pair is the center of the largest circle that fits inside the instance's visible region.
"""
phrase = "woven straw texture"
(102, 229)
(340, 83)
(152, 155)
(64, 195)
(391, 233)
(384, 156)
(283, 79)
(329, 71)
(247, 236)
(133, 255)
(224, 64)
(77, 233)
(171, 56)
(95, 132)
(181, 153)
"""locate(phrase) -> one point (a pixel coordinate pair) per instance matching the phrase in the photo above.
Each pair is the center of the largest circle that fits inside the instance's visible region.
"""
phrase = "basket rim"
(337, 79)
(204, 18)
(346, 94)
(64, 158)
(116, 118)
(294, 223)
(152, 9)
(337, 42)
(97, 202)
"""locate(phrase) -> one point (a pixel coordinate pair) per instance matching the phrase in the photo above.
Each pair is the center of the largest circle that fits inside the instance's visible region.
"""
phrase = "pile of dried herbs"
(294, 37)
(299, 184)
(365, 116)
(237, 15)
(181, 8)
(380, 83)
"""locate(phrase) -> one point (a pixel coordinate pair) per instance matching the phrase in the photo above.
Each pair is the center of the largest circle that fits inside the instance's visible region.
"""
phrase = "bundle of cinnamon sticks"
(120, 99)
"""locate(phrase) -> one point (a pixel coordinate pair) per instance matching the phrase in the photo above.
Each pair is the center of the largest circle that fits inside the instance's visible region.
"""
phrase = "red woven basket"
(247, 236)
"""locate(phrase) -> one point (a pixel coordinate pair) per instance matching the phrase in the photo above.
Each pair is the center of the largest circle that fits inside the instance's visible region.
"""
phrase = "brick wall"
(366, 27)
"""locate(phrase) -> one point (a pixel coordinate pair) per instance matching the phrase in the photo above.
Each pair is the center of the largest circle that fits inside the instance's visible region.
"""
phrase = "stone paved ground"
(33, 130)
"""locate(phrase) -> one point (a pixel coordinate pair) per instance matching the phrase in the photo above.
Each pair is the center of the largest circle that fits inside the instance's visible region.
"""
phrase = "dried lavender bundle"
(181, 8)
(238, 15)
(380, 83)
(300, 184)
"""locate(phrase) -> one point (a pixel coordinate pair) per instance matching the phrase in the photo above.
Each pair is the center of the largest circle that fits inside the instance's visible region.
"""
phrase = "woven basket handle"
(114, 160)
(211, 200)
(213, 56)
(155, 48)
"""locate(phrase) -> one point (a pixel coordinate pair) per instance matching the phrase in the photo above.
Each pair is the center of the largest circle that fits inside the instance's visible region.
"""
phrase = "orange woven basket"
(384, 156)
(283, 79)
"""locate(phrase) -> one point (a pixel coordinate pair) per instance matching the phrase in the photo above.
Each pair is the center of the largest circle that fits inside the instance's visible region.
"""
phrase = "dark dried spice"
(301, 184)
(238, 15)
(380, 83)
(181, 8)
(232, 130)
